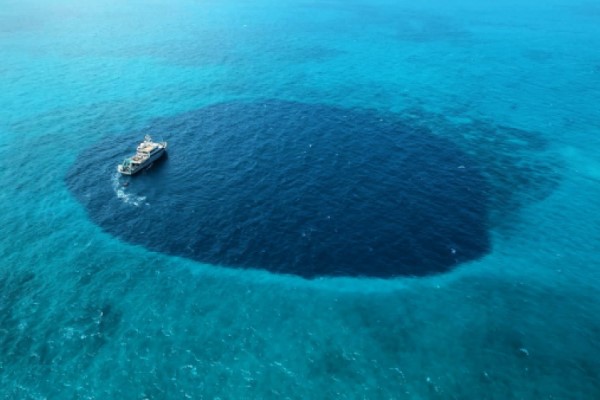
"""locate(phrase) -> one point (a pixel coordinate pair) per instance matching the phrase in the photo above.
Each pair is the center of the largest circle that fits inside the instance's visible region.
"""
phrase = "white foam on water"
(127, 198)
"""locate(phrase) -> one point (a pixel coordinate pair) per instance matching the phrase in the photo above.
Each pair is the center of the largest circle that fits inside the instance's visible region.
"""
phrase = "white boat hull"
(134, 169)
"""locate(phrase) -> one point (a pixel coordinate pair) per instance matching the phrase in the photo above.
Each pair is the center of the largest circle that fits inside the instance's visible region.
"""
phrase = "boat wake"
(127, 198)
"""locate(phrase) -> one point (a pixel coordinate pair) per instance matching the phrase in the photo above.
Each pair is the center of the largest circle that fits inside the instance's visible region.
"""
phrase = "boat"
(147, 152)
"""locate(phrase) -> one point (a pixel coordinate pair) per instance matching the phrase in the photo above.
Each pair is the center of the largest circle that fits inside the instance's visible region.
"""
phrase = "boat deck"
(146, 147)
(145, 154)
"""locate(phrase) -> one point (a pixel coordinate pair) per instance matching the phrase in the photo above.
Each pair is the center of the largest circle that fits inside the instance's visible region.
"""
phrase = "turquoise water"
(85, 314)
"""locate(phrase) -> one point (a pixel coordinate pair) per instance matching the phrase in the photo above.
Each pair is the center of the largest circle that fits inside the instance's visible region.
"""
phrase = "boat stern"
(125, 167)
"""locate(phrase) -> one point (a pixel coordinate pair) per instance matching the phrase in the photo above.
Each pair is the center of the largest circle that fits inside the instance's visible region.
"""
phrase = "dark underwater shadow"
(309, 190)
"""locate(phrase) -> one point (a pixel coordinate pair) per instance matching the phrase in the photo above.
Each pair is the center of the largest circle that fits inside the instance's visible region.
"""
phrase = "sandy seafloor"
(85, 315)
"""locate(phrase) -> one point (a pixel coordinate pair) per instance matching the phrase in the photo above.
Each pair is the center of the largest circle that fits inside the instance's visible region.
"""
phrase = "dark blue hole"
(310, 190)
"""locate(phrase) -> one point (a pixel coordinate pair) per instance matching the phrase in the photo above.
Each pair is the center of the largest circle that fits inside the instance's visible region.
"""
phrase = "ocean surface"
(360, 200)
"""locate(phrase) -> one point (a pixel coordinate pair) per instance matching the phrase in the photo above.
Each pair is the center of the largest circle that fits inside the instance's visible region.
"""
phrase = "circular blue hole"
(305, 189)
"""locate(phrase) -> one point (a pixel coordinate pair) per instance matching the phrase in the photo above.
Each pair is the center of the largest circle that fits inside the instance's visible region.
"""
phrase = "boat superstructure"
(147, 152)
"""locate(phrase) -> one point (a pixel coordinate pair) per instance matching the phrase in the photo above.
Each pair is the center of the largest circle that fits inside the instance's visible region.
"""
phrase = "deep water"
(361, 200)
(311, 190)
